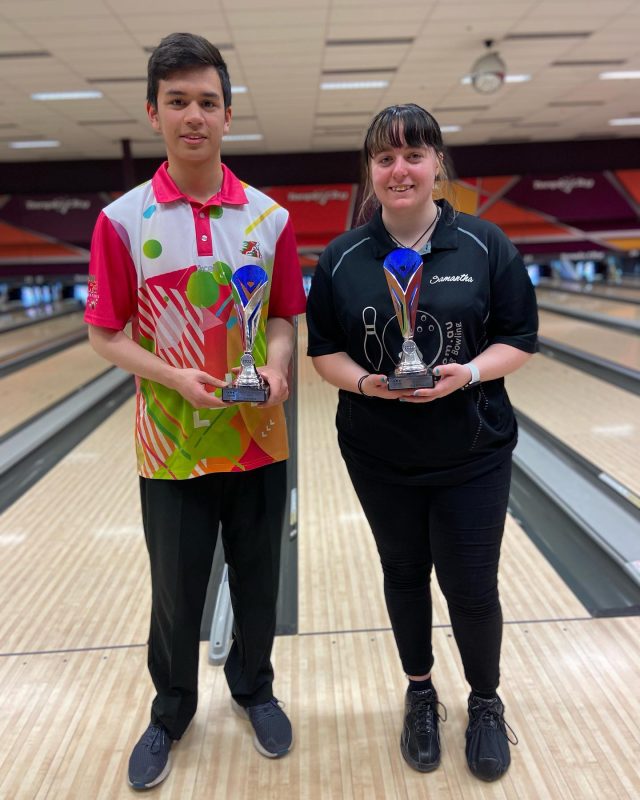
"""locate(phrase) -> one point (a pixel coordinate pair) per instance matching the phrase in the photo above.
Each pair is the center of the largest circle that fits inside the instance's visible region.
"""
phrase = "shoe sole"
(487, 777)
(243, 714)
(415, 764)
(141, 787)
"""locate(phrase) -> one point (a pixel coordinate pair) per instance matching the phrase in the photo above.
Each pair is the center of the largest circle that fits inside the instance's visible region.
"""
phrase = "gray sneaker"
(273, 736)
(150, 760)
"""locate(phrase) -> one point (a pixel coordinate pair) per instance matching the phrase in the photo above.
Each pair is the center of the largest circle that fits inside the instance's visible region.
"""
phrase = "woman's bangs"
(398, 128)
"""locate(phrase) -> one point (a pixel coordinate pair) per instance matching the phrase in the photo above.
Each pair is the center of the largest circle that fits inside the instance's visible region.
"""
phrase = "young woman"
(431, 466)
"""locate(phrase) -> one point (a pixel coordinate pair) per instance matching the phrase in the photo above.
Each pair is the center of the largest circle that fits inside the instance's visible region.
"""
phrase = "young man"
(161, 257)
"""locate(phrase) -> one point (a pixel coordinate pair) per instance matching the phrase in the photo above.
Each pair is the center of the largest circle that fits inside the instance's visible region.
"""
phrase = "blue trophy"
(403, 271)
(248, 285)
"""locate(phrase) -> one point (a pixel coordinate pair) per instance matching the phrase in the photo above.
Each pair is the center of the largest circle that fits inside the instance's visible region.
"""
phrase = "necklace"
(422, 235)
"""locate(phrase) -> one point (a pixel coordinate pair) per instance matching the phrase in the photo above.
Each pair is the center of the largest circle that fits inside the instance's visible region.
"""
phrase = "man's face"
(191, 115)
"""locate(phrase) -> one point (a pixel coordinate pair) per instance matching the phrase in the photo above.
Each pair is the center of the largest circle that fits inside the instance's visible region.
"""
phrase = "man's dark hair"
(178, 52)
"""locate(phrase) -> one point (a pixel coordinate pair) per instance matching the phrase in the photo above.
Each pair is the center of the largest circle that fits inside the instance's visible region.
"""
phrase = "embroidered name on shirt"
(464, 278)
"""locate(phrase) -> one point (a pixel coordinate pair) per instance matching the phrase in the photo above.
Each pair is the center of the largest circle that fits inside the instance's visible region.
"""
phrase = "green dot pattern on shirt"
(222, 273)
(202, 290)
(215, 212)
(152, 248)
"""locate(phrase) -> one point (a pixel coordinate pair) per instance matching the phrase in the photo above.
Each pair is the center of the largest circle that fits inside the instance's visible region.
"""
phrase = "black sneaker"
(420, 740)
(487, 745)
(150, 760)
(273, 736)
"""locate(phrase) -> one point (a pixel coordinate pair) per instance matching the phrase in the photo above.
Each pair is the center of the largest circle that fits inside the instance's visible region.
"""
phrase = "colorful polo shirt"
(163, 261)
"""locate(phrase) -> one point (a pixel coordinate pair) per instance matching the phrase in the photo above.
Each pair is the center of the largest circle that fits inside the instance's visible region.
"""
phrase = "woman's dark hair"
(401, 126)
(179, 52)
(397, 126)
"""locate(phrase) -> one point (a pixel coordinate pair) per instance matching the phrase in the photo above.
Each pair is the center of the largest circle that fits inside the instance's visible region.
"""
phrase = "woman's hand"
(452, 378)
(376, 386)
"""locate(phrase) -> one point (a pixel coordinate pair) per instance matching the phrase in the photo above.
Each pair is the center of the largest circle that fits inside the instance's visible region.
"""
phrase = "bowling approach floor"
(74, 692)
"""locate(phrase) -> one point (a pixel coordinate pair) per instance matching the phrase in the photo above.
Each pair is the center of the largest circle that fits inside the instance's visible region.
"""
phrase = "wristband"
(475, 375)
(360, 382)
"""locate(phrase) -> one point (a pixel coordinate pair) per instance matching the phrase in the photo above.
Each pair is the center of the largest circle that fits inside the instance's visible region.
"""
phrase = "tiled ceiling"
(283, 50)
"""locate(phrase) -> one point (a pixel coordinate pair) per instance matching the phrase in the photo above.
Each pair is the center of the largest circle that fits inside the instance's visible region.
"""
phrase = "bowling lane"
(614, 345)
(23, 341)
(74, 568)
(29, 391)
(599, 421)
(612, 291)
(590, 305)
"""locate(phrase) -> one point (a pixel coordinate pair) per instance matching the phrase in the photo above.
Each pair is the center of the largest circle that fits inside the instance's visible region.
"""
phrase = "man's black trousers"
(181, 520)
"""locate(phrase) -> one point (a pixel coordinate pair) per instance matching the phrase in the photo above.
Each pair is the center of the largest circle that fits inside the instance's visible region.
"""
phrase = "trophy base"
(422, 380)
(245, 394)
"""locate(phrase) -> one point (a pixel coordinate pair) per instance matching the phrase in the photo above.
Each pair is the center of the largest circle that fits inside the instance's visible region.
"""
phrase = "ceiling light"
(239, 90)
(91, 94)
(25, 144)
(620, 75)
(625, 121)
(507, 79)
(369, 42)
(450, 128)
(354, 85)
(25, 54)
(242, 137)
(550, 35)
(488, 72)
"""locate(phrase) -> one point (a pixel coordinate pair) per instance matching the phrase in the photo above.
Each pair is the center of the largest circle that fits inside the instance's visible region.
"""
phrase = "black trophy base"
(245, 394)
(420, 380)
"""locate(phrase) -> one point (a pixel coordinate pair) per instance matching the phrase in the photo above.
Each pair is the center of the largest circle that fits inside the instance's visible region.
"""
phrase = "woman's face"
(403, 177)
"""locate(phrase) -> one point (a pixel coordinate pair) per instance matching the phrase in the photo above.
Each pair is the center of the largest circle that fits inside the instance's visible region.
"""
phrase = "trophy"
(248, 284)
(403, 271)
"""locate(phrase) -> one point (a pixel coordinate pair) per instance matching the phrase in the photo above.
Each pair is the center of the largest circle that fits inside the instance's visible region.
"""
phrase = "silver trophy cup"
(248, 285)
(403, 271)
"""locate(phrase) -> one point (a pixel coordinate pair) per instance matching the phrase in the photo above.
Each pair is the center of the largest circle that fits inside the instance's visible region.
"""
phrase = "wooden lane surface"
(24, 340)
(69, 721)
(74, 569)
(593, 305)
(612, 291)
(74, 577)
(31, 390)
(614, 345)
(599, 421)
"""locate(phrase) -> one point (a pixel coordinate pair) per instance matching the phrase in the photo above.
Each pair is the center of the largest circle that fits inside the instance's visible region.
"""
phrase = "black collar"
(445, 235)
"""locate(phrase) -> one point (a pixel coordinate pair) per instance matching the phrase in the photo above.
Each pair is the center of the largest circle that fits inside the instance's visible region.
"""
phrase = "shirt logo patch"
(92, 292)
(251, 249)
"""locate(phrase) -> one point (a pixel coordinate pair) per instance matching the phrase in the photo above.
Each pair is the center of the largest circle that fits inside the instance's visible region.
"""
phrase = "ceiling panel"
(282, 50)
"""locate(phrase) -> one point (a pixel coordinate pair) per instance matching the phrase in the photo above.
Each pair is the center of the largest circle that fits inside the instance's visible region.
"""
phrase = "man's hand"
(278, 385)
(197, 388)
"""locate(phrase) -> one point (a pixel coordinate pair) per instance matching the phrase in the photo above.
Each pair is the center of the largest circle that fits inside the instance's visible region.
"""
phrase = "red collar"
(231, 190)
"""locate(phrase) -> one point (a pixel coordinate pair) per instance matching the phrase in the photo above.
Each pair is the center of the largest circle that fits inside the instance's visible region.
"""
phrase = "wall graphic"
(567, 213)
(588, 211)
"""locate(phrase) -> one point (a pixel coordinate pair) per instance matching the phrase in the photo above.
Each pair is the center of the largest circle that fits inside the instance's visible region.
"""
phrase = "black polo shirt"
(475, 291)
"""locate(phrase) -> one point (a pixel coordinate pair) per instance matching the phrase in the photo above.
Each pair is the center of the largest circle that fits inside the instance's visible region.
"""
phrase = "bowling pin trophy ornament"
(248, 285)
(403, 271)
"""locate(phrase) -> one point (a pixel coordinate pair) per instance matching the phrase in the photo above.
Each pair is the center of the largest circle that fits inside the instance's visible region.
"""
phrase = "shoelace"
(152, 738)
(425, 712)
(268, 709)
(490, 717)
